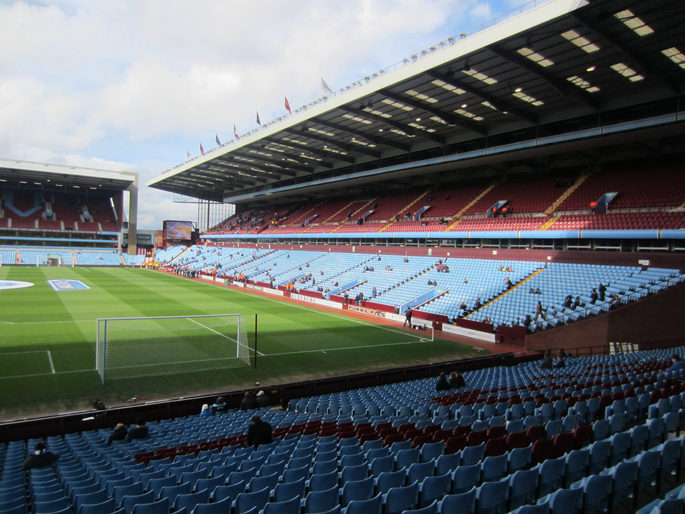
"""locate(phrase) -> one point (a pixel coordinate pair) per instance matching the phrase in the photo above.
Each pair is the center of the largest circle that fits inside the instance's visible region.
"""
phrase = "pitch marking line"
(217, 333)
(55, 373)
(365, 347)
(52, 366)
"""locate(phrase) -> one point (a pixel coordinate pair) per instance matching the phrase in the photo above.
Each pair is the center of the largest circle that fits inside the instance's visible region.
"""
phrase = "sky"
(132, 85)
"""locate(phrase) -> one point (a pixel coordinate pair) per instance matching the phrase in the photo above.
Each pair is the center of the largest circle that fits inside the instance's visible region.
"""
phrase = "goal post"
(166, 345)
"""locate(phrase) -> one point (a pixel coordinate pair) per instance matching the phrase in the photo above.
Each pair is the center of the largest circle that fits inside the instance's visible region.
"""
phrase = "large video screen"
(178, 229)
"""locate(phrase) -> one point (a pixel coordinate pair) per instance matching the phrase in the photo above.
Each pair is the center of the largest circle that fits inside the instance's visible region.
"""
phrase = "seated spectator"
(118, 434)
(219, 405)
(559, 362)
(676, 363)
(40, 457)
(249, 402)
(593, 296)
(259, 432)
(456, 380)
(205, 411)
(140, 431)
(262, 400)
(442, 384)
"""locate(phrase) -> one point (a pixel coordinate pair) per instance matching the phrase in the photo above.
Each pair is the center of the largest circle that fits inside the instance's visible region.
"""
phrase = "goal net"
(166, 345)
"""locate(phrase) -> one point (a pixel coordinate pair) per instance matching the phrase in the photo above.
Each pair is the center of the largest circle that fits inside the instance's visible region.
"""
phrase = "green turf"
(42, 330)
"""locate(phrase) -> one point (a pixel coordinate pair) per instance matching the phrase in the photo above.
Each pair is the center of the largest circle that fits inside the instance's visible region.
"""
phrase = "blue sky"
(133, 84)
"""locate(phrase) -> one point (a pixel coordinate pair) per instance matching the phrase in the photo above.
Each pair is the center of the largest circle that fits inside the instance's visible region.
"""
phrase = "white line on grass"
(326, 350)
(44, 374)
(52, 366)
(7, 322)
(25, 351)
(217, 333)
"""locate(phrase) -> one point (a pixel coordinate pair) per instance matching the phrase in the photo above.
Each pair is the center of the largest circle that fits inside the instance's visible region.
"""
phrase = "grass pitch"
(47, 338)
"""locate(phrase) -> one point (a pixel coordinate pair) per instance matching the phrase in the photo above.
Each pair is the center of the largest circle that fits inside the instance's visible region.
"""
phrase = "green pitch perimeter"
(47, 338)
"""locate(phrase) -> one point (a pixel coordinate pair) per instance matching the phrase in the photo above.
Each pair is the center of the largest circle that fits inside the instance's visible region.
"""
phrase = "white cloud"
(482, 10)
(132, 84)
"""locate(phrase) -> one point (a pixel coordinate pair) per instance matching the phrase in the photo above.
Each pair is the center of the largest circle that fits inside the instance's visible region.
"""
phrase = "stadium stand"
(473, 288)
(604, 431)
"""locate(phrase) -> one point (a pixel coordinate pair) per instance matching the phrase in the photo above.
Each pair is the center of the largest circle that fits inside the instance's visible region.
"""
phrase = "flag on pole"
(258, 122)
(326, 87)
(187, 154)
(202, 150)
(235, 131)
(216, 138)
(287, 105)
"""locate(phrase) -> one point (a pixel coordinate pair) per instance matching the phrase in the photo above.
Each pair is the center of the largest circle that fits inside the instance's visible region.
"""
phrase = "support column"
(133, 217)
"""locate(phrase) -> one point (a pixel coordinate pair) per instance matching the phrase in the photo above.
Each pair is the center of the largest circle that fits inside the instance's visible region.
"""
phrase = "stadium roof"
(561, 68)
(58, 176)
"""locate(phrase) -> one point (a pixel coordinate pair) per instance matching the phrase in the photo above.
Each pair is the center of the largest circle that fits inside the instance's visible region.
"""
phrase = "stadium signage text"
(369, 312)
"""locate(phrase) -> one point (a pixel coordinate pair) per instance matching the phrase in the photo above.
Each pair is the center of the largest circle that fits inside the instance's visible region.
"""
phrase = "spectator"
(540, 311)
(205, 411)
(219, 405)
(118, 434)
(547, 361)
(456, 380)
(407, 317)
(442, 384)
(140, 431)
(559, 362)
(593, 296)
(249, 402)
(262, 400)
(40, 457)
(259, 432)
(676, 363)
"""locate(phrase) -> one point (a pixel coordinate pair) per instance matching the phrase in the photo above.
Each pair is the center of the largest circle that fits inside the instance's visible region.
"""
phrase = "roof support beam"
(458, 121)
(497, 103)
(313, 151)
(399, 126)
(283, 165)
(374, 139)
(560, 86)
(332, 142)
(243, 164)
(299, 152)
(642, 66)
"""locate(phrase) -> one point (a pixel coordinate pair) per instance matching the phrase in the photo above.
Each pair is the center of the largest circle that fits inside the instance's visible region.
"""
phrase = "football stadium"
(454, 285)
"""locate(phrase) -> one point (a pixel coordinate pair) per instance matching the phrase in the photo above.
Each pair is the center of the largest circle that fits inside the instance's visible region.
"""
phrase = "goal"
(166, 345)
